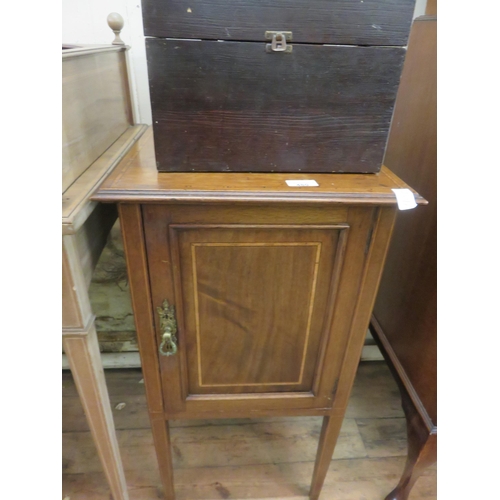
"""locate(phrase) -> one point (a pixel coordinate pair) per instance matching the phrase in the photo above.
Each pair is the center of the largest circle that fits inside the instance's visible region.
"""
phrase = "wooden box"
(282, 86)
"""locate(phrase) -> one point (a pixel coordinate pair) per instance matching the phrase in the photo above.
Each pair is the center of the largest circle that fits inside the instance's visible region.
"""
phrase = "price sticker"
(301, 183)
(405, 198)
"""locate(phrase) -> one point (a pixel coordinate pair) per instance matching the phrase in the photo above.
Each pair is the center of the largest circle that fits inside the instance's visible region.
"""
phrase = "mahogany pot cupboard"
(251, 297)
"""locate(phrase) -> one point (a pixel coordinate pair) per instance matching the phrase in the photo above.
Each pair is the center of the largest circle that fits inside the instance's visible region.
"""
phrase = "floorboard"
(265, 459)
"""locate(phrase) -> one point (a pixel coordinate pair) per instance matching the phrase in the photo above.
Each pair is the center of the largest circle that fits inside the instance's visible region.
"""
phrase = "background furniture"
(251, 298)
(404, 317)
(97, 131)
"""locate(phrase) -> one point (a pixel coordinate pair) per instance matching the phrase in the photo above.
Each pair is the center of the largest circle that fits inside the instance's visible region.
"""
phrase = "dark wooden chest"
(274, 86)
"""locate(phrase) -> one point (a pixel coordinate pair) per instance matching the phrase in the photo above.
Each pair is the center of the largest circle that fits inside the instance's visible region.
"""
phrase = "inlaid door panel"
(263, 310)
(254, 300)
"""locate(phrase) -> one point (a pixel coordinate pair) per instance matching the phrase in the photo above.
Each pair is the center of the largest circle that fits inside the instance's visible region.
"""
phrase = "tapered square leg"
(82, 350)
(327, 440)
(133, 241)
(161, 438)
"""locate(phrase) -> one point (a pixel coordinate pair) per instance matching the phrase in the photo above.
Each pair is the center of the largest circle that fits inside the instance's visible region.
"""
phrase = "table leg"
(161, 438)
(422, 450)
(84, 359)
(327, 440)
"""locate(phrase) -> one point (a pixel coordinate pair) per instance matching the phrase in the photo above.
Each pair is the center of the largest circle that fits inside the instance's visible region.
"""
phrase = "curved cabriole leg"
(422, 449)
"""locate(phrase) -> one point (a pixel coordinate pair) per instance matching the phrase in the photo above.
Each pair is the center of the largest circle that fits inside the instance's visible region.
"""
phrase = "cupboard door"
(254, 300)
(253, 305)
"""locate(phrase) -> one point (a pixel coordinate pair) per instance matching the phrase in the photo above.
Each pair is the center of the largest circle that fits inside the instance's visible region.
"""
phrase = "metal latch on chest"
(279, 41)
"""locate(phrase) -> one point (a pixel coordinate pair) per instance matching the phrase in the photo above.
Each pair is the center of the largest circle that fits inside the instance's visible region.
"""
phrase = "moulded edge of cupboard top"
(136, 180)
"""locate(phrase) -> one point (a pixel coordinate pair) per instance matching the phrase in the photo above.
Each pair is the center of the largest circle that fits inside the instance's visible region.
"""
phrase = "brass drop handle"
(168, 327)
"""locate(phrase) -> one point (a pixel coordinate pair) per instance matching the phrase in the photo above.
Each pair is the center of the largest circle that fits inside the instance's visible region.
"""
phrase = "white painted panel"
(371, 353)
(84, 22)
(113, 360)
(420, 6)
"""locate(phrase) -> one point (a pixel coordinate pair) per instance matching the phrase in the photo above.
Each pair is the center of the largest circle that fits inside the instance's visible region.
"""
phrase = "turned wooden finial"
(115, 22)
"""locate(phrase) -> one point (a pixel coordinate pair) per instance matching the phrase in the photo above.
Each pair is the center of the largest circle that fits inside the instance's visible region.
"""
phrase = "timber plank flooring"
(265, 459)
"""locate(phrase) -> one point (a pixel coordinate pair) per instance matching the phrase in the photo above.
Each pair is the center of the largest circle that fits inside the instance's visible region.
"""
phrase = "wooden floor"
(267, 458)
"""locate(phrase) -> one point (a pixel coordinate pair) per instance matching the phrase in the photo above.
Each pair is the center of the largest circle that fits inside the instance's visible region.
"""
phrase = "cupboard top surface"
(136, 179)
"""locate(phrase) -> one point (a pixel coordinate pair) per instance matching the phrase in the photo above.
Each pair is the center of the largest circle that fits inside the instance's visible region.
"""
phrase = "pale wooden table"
(85, 226)
(98, 130)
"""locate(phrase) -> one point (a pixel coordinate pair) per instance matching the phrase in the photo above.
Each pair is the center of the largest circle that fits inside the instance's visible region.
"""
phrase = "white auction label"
(302, 183)
(405, 198)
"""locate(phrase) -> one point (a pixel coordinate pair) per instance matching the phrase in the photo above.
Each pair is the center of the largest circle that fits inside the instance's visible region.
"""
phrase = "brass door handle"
(168, 327)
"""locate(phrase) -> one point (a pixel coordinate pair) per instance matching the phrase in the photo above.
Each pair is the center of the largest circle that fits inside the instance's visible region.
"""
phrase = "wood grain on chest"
(374, 22)
(231, 106)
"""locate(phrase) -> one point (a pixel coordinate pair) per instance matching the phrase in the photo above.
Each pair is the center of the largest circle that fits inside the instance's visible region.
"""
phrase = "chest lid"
(349, 22)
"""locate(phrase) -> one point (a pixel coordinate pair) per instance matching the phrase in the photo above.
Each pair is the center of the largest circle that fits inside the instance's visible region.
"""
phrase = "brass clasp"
(279, 41)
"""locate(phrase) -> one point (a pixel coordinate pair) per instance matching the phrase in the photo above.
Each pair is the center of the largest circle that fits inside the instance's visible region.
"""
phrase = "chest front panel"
(255, 302)
(232, 106)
